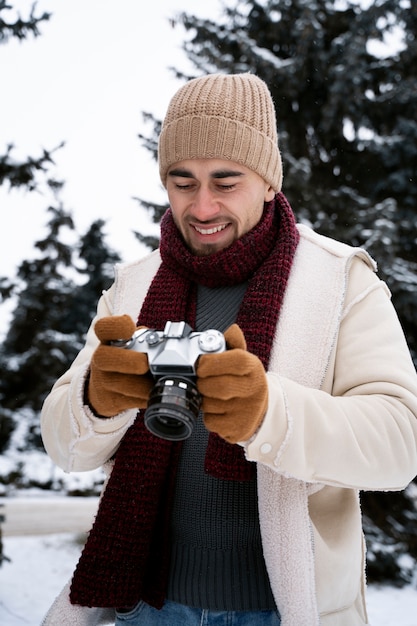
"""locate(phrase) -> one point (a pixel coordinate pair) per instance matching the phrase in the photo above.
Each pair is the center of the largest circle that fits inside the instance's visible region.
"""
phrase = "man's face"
(214, 202)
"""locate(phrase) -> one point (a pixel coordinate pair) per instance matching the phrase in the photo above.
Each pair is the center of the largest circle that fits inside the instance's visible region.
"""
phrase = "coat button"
(266, 448)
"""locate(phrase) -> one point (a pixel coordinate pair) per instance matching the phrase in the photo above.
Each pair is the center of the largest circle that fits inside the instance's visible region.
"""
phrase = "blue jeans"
(174, 614)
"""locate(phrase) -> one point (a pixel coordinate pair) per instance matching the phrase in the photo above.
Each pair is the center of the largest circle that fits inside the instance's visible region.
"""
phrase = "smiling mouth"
(210, 231)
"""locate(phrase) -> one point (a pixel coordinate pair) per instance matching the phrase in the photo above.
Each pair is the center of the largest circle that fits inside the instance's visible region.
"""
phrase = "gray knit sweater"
(216, 560)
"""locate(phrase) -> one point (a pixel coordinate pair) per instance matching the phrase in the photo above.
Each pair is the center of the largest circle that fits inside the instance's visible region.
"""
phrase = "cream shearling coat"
(341, 418)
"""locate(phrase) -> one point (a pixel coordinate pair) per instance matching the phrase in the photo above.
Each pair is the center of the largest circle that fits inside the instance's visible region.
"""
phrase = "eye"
(184, 186)
(225, 187)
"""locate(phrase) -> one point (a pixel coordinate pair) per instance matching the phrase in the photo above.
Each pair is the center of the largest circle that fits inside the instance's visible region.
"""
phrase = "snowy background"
(89, 91)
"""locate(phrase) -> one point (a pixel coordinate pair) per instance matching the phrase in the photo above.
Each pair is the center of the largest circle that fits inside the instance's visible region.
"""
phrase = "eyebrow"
(184, 173)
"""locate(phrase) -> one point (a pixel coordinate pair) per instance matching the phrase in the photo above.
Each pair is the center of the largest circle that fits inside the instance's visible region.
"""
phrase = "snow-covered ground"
(41, 565)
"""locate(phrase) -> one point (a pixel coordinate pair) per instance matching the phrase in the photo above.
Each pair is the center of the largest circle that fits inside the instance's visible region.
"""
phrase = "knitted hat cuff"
(197, 137)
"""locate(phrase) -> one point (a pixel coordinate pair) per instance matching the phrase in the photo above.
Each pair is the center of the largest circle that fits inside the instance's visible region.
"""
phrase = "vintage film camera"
(174, 402)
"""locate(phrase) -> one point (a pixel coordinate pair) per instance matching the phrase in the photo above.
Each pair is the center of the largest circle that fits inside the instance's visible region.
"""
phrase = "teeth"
(210, 231)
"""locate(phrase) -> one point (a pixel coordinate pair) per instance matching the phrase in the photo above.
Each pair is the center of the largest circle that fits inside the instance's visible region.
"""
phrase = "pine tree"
(347, 131)
(34, 350)
(21, 173)
(56, 294)
(95, 268)
(18, 26)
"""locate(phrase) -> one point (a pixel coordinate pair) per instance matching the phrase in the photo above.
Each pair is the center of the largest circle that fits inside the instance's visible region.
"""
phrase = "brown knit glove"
(234, 389)
(119, 378)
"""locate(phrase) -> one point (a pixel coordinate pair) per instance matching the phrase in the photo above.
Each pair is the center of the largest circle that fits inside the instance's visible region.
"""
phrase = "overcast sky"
(86, 80)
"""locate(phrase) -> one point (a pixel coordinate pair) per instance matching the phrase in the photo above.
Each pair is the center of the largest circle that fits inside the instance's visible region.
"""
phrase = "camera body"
(174, 402)
(174, 350)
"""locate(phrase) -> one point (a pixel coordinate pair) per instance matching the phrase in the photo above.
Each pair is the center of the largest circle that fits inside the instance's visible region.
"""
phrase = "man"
(254, 518)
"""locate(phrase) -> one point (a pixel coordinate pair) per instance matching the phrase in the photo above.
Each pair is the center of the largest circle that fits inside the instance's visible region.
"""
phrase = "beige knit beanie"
(221, 116)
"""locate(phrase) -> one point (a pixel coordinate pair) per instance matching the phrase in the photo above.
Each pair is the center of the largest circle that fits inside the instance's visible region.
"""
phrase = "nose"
(205, 206)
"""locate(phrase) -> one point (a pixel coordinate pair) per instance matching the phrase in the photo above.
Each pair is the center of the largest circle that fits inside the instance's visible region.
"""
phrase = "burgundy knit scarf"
(125, 558)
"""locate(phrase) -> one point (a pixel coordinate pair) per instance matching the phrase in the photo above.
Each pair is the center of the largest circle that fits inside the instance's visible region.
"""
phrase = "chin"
(204, 250)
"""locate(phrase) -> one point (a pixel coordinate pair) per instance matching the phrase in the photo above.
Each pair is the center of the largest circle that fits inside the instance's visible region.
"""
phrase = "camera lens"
(173, 407)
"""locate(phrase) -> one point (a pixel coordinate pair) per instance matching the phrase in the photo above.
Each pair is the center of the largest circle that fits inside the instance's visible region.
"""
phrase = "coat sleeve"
(73, 436)
(360, 429)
